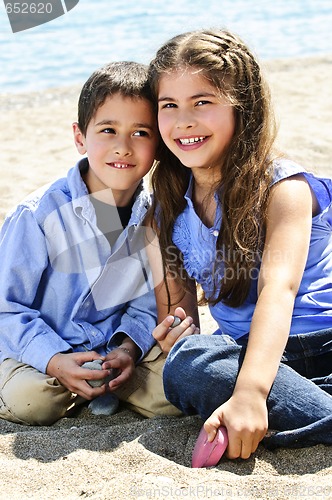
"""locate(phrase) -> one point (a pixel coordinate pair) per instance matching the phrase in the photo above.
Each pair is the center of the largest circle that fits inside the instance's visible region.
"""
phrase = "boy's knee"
(144, 392)
(32, 398)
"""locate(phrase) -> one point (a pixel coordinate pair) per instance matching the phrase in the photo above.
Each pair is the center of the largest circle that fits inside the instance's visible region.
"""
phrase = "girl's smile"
(195, 122)
(189, 143)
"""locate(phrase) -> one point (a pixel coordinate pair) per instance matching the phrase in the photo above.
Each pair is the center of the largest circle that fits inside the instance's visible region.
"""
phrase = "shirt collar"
(81, 198)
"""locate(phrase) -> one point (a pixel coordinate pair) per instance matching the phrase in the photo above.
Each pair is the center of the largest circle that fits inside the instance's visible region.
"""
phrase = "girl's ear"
(79, 139)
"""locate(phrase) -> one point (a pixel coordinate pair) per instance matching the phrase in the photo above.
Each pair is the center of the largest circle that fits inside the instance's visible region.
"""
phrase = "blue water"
(66, 50)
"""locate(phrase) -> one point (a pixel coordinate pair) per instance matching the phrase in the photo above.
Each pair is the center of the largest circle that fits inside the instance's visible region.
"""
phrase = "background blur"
(66, 50)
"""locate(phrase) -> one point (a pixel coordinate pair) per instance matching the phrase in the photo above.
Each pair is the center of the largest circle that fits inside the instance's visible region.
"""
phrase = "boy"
(74, 284)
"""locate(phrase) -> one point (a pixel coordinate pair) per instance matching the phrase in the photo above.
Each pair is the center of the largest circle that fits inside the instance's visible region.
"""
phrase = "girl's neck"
(205, 183)
(204, 203)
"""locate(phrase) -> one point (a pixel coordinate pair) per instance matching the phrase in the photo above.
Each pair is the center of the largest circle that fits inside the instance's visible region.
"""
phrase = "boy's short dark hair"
(124, 77)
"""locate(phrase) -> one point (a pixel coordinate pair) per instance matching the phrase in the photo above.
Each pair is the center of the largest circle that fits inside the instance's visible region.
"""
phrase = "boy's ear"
(79, 139)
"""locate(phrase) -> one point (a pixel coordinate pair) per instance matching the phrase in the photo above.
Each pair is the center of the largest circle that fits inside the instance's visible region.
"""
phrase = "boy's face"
(120, 142)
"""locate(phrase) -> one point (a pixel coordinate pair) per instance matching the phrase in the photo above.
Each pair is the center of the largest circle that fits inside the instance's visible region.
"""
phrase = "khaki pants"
(33, 398)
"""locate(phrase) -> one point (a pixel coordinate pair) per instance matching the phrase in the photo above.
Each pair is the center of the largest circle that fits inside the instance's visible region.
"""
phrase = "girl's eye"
(201, 103)
(168, 105)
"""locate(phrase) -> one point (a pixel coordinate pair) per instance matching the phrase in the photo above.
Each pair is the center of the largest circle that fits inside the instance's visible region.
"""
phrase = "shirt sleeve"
(138, 321)
(25, 336)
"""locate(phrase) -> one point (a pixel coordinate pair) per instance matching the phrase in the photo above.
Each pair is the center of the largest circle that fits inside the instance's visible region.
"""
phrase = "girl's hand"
(166, 336)
(67, 369)
(246, 419)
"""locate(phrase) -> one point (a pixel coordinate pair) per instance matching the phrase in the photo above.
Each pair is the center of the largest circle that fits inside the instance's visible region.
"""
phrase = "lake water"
(66, 50)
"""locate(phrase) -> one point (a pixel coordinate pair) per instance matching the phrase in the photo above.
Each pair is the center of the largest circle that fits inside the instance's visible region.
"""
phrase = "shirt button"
(215, 233)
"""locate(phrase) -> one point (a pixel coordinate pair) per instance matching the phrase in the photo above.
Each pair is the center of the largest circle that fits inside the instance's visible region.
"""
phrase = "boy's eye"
(141, 133)
(108, 130)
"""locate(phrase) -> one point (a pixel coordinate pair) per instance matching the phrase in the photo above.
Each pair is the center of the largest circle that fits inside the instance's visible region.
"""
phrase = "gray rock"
(107, 404)
(176, 322)
(94, 365)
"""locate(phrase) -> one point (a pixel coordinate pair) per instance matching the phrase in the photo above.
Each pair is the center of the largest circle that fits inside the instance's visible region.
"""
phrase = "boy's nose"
(122, 148)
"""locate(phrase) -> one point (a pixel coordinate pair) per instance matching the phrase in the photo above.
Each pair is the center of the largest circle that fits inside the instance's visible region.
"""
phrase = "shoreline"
(32, 98)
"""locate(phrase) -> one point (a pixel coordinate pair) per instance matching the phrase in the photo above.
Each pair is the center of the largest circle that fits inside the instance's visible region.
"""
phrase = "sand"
(126, 456)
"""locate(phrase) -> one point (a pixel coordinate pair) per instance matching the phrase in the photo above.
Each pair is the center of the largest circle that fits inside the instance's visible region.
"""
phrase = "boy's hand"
(121, 359)
(67, 369)
(166, 336)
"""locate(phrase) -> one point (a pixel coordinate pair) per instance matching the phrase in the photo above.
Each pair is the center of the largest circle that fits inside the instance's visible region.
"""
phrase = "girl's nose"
(185, 120)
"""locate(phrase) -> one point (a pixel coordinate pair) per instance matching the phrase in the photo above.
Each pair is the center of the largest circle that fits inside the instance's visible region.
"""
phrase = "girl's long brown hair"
(225, 61)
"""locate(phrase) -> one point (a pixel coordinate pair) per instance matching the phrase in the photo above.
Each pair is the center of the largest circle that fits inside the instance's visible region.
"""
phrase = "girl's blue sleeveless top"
(313, 303)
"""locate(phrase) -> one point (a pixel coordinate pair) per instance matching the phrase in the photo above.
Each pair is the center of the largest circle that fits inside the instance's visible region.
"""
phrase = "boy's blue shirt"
(62, 287)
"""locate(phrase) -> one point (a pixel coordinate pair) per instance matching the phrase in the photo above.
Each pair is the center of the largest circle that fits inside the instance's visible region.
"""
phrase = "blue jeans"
(201, 370)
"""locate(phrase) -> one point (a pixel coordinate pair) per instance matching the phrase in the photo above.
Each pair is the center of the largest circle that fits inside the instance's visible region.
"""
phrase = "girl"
(254, 230)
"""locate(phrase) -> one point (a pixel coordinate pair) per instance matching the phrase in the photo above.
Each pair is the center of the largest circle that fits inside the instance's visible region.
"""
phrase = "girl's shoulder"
(282, 168)
(321, 187)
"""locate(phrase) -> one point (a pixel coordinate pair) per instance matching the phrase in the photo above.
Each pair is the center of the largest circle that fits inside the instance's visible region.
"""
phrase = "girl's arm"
(284, 257)
(183, 304)
(185, 308)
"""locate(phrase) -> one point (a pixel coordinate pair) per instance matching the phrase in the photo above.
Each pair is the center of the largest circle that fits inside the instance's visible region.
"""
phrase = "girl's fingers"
(161, 330)
(192, 330)
(211, 426)
(180, 312)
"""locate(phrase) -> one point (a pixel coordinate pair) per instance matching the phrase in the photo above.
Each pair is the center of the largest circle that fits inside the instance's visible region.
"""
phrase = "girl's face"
(195, 123)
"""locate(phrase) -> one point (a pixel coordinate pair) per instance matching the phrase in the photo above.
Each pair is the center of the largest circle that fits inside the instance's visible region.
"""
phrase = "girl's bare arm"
(183, 304)
(285, 253)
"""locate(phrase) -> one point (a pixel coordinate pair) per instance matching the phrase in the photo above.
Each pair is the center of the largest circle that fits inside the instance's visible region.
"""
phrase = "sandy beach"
(126, 456)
